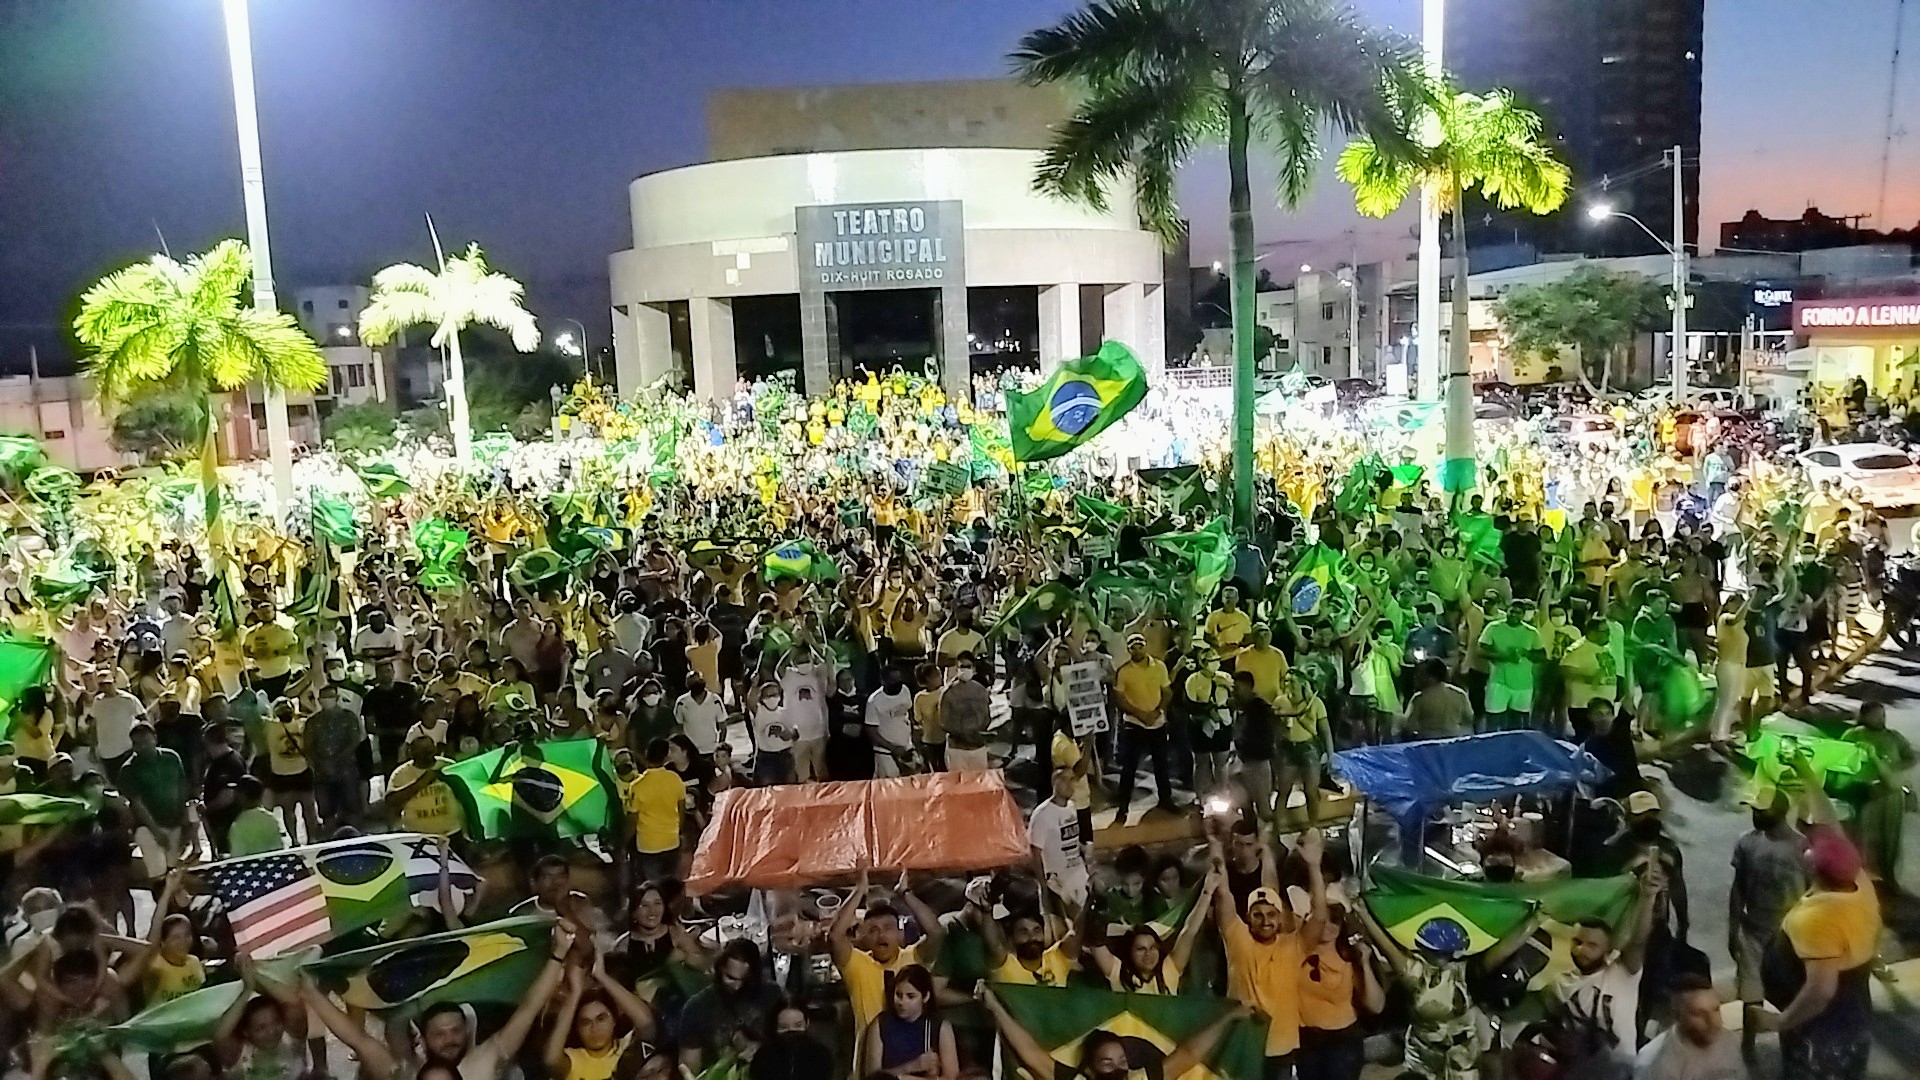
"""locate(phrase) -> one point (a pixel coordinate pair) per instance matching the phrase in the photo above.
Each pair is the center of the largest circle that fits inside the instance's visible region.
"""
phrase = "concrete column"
(1059, 324)
(1122, 315)
(819, 342)
(714, 366)
(956, 356)
(1152, 349)
(642, 346)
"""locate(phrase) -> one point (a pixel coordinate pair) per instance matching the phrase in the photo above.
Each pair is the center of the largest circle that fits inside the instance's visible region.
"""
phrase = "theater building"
(860, 228)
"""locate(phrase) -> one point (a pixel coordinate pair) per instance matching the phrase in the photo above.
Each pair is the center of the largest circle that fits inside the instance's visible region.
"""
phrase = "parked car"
(1885, 476)
(1582, 431)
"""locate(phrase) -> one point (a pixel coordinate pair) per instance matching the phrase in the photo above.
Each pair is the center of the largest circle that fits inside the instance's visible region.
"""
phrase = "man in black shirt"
(1253, 746)
(219, 785)
(389, 710)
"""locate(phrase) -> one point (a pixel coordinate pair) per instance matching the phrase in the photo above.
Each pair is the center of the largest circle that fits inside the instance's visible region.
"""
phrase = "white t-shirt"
(700, 721)
(113, 718)
(1055, 830)
(176, 635)
(1670, 1057)
(370, 640)
(763, 720)
(892, 715)
(630, 631)
(1610, 999)
(806, 700)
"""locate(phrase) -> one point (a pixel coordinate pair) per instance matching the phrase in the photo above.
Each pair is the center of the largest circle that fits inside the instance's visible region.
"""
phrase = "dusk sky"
(519, 123)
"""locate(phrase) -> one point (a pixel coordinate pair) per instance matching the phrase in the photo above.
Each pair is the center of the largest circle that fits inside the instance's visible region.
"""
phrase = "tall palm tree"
(188, 330)
(1484, 142)
(464, 292)
(1159, 77)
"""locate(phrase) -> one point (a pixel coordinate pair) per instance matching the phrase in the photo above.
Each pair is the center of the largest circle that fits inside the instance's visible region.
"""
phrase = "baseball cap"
(1266, 896)
(1136, 639)
(1643, 802)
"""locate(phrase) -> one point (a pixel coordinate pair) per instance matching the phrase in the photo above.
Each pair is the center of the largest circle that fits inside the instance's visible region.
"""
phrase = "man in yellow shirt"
(424, 801)
(1228, 627)
(272, 647)
(1142, 689)
(1265, 663)
(654, 801)
(1265, 950)
(866, 956)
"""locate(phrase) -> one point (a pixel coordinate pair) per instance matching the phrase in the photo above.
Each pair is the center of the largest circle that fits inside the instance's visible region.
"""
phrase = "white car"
(1885, 475)
(1583, 432)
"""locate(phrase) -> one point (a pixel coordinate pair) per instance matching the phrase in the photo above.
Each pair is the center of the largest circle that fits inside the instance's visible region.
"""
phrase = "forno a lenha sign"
(904, 245)
(1888, 313)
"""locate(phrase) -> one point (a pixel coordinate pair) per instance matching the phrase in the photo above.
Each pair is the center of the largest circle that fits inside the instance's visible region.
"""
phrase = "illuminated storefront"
(1873, 338)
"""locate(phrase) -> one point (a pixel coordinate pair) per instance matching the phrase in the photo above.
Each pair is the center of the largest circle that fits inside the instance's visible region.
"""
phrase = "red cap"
(1832, 857)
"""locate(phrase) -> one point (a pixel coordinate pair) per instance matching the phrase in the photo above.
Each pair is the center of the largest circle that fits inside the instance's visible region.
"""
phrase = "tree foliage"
(465, 292)
(1485, 142)
(1593, 310)
(367, 427)
(160, 427)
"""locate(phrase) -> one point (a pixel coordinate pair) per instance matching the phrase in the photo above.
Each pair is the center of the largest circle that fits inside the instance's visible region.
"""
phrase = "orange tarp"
(798, 834)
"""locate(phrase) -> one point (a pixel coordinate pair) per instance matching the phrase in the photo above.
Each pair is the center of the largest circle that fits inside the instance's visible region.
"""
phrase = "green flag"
(25, 808)
(1362, 485)
(1320, 572)
(188, 1021)
(440, 546)
(24, 662)
(1042, 604)
(490, 964)
(19, 456)
(1480, 538)
(562, 789)
(1767, 759)
(333, 522)
(1150, 1025)
(799, 559)
(1404, 901)
(1207, 558)
(1101, 510)
(1083, 398)
(383, 480)
(64, 584)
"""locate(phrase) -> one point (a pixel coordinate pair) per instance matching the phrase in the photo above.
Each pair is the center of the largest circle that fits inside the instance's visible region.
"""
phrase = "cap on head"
(1270, 897)
(1643, 802)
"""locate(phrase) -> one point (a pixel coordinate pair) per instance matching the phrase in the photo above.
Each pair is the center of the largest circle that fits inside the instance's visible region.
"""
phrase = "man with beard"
(1600, 997)
(1696, 1047)
(739, 1000)
(1020, 953)
(1103, 1054)
(445, 1034)
(1769, 877)
(1265, 951)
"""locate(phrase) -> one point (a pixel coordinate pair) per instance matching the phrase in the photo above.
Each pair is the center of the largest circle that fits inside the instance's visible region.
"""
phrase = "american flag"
(276, 903)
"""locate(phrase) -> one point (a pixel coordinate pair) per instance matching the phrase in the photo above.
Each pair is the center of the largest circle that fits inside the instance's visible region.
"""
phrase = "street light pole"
(253, 189)
(1433, 30)
(1679, 250)
(586, 354)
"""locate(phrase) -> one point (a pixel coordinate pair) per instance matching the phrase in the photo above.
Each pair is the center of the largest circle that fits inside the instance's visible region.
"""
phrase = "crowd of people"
(1634, 629)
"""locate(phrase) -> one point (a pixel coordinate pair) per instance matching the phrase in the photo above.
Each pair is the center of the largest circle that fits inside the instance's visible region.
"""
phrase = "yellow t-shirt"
(1326, 990)
(866, 982)
(926, 716)
(1142, 684)
(584, 1064)
(272, 647)
(1266, 978)
(1227, 629)
(286, 745)
(1829, 925)
(957, 641)
(1053, 969)
(165, 981)
(432, 809)
(1267, 666)
(654, 800)
(36, 740)
(705, 659)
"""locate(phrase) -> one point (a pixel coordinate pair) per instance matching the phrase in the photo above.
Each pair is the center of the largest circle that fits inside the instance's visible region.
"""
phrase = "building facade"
(874, 226)
(1617, 83)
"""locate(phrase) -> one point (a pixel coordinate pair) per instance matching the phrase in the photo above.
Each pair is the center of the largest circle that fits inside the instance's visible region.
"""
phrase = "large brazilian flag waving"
(1082, 399)
(24, 662)
(492, 964)
(563, 789)
(1151, 1026)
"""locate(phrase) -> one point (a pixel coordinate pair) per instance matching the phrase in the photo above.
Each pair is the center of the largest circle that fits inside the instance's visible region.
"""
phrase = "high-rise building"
(1617, 83)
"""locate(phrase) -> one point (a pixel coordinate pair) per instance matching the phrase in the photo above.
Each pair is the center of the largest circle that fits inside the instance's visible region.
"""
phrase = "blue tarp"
(1414, 779)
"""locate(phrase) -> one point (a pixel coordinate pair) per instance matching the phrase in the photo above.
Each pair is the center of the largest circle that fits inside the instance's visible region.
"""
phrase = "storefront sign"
(1889, 313)
(1772, 298)
(850, 246)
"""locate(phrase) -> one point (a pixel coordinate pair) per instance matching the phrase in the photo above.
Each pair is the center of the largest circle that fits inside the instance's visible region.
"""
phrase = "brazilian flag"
(1151, 1026)
(562, 789)
(1403, 901)
(383, 480)
(799, 559)
(26, 808)
(1042, 604)
(491, 964)
(1082, 399)
(440, 546)
(1319, 572)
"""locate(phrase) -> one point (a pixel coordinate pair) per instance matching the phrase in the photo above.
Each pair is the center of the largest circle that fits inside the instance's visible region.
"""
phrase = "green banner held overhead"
(24, 662)
(490, 964)
(1083, 398)
(440, 546)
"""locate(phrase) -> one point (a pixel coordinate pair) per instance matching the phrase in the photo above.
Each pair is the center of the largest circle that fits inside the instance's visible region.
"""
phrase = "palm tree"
(464, 292)
(1486, 143)
(1159, 77)
(188, 331)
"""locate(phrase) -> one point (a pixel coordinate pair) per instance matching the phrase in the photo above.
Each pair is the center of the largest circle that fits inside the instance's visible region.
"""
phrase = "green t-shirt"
(159, 782)
(255, 831)
(1509, 649)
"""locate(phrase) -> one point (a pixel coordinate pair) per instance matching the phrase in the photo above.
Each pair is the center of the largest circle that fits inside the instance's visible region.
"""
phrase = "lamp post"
(577, 346)
(1350, 277)
(1678, 250)
(253, 190)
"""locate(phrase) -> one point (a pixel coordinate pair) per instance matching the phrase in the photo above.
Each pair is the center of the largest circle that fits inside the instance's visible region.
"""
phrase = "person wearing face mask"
(773, 736)
(1103, 1054)
(965, 712)
(1208, 690)
(789, 1051)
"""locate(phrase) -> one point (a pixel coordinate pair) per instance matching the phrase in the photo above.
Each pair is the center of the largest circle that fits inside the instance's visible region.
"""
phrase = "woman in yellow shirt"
(590, 1017)
(1337, 980)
